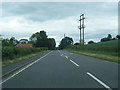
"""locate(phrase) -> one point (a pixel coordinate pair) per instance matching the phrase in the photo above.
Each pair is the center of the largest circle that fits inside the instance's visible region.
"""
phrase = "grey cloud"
(38, 11)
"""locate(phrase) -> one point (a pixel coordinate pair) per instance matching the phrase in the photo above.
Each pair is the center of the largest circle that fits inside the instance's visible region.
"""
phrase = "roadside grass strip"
(98, 55)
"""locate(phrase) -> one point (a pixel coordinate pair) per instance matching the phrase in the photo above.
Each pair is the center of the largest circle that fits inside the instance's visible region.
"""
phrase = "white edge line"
(74, 63)
(106, 86)
(24, 68)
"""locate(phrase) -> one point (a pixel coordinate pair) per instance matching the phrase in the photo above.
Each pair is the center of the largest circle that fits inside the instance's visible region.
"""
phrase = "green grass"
(99, 55)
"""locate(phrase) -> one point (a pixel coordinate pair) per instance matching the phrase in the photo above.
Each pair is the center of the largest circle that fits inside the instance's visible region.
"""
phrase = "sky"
(22, 19)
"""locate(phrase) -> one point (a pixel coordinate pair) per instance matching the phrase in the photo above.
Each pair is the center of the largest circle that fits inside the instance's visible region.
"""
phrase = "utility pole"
(81, 27)
(64, 35)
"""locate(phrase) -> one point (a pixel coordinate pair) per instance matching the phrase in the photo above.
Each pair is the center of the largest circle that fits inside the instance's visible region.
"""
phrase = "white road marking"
(103, 84)
(24, 68)
(66, 57)
(61, 54)
(74, 63)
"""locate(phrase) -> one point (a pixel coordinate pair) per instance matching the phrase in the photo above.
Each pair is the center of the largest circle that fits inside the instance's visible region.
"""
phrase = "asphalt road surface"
(62, 69)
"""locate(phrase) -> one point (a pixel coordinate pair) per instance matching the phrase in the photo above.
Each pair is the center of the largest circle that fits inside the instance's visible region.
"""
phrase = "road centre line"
(66, 57)
(61, 54)
(24, 68)
(99, 81)
(74, 63)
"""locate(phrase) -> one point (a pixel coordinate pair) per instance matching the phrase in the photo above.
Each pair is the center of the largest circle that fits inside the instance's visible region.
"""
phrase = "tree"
(118, 36)
(51, 43)
(109, 36)
(9, 42)
(39, 39)
(5, 42)
(114, 38)
(90, 42)
(12, 39)
(104, 39)
(65, 42)
(43, 35)
(76, 43)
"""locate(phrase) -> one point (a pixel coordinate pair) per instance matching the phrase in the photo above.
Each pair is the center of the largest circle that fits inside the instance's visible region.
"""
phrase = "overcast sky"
(22, 19)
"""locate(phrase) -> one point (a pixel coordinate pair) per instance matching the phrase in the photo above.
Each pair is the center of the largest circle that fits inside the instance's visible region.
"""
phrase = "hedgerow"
(9, 53)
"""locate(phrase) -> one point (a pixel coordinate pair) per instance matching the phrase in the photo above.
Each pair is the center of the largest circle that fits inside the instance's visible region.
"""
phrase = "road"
(62, 69)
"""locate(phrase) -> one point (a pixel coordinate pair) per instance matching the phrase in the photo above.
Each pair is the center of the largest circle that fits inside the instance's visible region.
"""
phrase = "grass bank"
(103, 50)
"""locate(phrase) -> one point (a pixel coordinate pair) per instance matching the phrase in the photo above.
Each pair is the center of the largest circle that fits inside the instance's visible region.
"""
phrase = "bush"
(90, 42)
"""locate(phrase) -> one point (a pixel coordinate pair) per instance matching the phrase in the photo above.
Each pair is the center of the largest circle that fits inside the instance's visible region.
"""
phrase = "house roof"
(24, 45)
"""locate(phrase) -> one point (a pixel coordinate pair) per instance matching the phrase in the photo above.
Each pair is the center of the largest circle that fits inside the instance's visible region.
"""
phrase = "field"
(104, 50)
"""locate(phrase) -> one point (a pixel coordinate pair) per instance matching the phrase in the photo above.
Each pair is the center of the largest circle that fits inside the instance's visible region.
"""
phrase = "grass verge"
(9, 62)
(99, 55)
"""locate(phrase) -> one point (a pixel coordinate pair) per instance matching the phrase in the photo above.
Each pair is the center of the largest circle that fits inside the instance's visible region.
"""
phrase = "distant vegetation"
(107, 48)
(66, 41)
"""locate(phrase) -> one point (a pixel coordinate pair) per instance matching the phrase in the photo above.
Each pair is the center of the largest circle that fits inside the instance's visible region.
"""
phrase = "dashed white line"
(61, 54)
(23, 68)
(66, 57)
(99, 81)
(74, 63)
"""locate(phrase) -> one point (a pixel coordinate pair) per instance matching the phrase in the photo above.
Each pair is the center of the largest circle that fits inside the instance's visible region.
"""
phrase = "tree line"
(108, 38)
(66, 41)
(38, 39)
